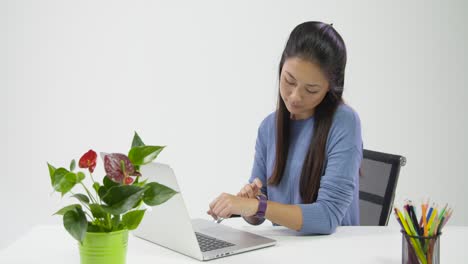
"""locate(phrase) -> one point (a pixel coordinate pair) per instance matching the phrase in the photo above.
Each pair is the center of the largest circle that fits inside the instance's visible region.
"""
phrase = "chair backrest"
(377, 184)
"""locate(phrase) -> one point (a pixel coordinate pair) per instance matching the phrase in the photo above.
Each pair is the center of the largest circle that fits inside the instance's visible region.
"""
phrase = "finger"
(258, 183)
(219, 208)
(225, 213)
(249, 190)
(242, 193)
(212, 214)
(214, 202)
(255, 190)
(209, 212)
(215, 217)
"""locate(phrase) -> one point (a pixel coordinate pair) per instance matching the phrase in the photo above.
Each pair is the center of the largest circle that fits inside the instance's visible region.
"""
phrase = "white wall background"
(199, 76)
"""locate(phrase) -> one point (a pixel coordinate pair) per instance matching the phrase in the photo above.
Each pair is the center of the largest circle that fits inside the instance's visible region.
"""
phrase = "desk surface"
(347, 245)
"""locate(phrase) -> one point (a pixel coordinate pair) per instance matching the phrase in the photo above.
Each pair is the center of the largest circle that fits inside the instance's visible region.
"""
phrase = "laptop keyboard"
(210, 243)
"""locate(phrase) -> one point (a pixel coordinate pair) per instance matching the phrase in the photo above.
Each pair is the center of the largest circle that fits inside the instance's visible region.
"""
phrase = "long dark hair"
(320, 44)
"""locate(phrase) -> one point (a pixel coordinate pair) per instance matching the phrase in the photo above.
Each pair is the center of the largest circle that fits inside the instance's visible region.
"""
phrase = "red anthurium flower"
(128, 180)
(88, 161)
(113, 167)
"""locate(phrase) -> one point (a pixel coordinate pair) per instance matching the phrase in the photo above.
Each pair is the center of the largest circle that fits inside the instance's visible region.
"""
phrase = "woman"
(308, 152)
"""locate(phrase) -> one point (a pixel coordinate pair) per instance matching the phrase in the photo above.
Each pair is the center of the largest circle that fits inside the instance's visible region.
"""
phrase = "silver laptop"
(170, 226)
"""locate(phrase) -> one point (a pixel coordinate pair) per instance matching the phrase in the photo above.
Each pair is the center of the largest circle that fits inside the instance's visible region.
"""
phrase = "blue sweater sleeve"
(259, 166)
(337, 185)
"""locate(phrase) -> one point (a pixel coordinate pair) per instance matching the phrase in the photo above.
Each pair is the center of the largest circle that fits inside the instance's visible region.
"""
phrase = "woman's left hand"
(226, 205)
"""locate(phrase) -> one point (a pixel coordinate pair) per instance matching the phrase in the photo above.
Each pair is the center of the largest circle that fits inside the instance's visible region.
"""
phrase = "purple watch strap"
(262, 205)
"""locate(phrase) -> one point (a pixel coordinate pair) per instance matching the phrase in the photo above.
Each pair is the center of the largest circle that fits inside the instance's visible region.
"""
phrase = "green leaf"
(81, 197)
(96, 186)
(58, 174)
(102, 191)
(99, 225)
(80, 176)
(157, 194)
(72, 165)
(64, 180)
(51, 173)
(132, 219)
(68, 183)
(97, 211)
(136, 142)
(118, 193)
(108, 183)
(75, 223)
(138, 204)
(120, 199)
(140, 184)
(67, 208)
(92, 227)
(115, 222)
(144, 154)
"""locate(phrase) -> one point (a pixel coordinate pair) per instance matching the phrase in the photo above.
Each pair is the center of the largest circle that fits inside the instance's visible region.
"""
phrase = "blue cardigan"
(338, 198)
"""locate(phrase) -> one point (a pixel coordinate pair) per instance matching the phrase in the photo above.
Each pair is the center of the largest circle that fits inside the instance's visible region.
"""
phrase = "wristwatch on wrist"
(262, 205)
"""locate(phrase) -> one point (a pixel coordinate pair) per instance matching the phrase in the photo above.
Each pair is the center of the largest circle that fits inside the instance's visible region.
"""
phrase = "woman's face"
(302, 87)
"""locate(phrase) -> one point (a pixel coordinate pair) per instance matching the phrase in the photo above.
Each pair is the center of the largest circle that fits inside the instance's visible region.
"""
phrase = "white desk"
(52, 244)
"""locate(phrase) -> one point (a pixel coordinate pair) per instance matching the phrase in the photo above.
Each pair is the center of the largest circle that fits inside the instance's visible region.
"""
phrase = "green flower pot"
(104, 248)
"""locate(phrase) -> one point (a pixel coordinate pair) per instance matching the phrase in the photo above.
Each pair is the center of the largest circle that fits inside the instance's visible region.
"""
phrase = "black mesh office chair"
(377, 185)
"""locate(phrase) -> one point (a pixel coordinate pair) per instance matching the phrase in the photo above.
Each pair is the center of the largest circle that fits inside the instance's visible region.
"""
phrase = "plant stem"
(90, 174)
(90, 216)
(109, 221)
(89, 194)
(99, 198)
(87, 207)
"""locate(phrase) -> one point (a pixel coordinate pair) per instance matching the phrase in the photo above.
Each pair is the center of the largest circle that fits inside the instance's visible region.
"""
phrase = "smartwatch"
(262, 205)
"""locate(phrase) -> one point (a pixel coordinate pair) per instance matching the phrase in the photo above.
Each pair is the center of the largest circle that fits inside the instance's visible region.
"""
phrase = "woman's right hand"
(251, 190)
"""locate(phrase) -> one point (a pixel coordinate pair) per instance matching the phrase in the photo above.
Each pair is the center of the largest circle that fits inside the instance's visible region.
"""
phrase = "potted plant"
(105, 213)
